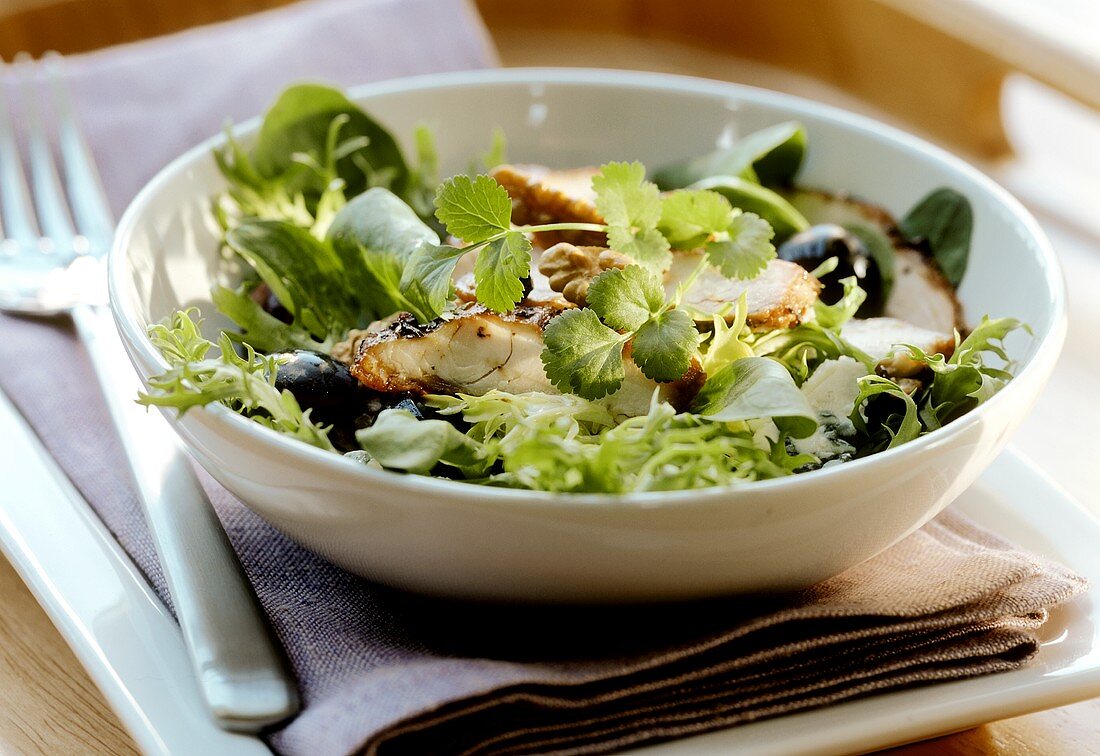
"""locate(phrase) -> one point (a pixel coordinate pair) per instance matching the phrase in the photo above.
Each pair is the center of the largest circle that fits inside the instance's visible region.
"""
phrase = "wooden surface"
(49, 705)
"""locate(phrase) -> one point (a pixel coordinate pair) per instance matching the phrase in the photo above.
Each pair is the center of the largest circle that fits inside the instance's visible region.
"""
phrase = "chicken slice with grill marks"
(474, 350)
(542, 195)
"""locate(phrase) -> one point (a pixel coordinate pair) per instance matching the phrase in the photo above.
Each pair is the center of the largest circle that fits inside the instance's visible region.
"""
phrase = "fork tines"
(67, 222)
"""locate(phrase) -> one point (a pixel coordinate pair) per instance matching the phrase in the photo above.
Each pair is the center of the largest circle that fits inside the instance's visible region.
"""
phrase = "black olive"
(334, 396)
(265, 298)
(817, 244)
(317, 381)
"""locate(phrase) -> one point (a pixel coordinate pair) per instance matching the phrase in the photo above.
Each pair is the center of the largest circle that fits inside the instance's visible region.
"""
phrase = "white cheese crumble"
(831, 390)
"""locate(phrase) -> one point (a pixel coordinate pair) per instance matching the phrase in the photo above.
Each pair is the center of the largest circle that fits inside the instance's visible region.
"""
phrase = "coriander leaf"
(770, 156)
(689, 218)
(399, 441)
(749, 197)
(944, 220)
(754, 388)
(624, 197)
(582, 355)
(664, 345)
(648, 247)
(746, 251)
(426, 281)
(473, 209)
(498, 271)
(631, 207)
(624, 299)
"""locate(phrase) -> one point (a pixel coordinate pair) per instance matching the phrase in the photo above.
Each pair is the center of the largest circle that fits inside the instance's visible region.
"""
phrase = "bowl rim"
(145, 355)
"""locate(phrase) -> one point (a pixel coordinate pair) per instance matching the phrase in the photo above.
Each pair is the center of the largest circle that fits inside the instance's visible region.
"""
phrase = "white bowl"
(443, 537)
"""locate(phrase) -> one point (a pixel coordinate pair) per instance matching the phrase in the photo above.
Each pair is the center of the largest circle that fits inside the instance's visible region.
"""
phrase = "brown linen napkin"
(949, 602)
(388, 672)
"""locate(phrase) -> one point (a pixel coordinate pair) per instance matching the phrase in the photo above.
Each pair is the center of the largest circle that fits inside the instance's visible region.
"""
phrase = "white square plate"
(133, 650)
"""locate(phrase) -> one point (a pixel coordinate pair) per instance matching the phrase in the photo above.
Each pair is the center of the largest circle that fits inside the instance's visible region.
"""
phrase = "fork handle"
(242, 674)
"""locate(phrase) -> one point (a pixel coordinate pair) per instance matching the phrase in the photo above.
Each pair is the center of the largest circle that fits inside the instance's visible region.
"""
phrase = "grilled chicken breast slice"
(475, 350)
(921, 295)
(881, 339)
(542, 195)
(780, 297)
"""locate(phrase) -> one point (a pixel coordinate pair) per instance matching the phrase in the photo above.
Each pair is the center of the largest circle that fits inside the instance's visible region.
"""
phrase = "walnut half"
(571, 268)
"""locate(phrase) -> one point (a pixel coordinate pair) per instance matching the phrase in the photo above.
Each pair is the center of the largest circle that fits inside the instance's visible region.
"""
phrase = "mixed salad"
(582, 329)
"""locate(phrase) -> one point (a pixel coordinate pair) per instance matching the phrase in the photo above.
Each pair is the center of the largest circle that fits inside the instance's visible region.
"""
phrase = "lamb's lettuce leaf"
(771, 157)
(756, 388)
(374, 237)
(399, 441)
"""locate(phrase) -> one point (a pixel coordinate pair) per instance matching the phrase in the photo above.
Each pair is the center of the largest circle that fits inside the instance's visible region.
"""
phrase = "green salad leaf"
(631, 207)
(201, 373)
(399, 441)
(259, 328)
(964, 380)
(297, 128)
(375, 236)
(568, 444)
(907, 428)
(944, 221)
(582, 355)
(771, 156)
(425, 284)
(303, 272)
(756, 388)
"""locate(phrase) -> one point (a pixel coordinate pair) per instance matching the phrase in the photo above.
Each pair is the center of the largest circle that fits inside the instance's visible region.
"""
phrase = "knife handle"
(239, 667)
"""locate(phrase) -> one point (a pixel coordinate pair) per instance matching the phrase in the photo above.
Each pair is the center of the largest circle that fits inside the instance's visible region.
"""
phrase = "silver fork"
(53, 261)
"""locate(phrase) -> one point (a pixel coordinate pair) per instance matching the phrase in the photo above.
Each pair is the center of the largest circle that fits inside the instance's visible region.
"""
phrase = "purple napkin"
(382, 671)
